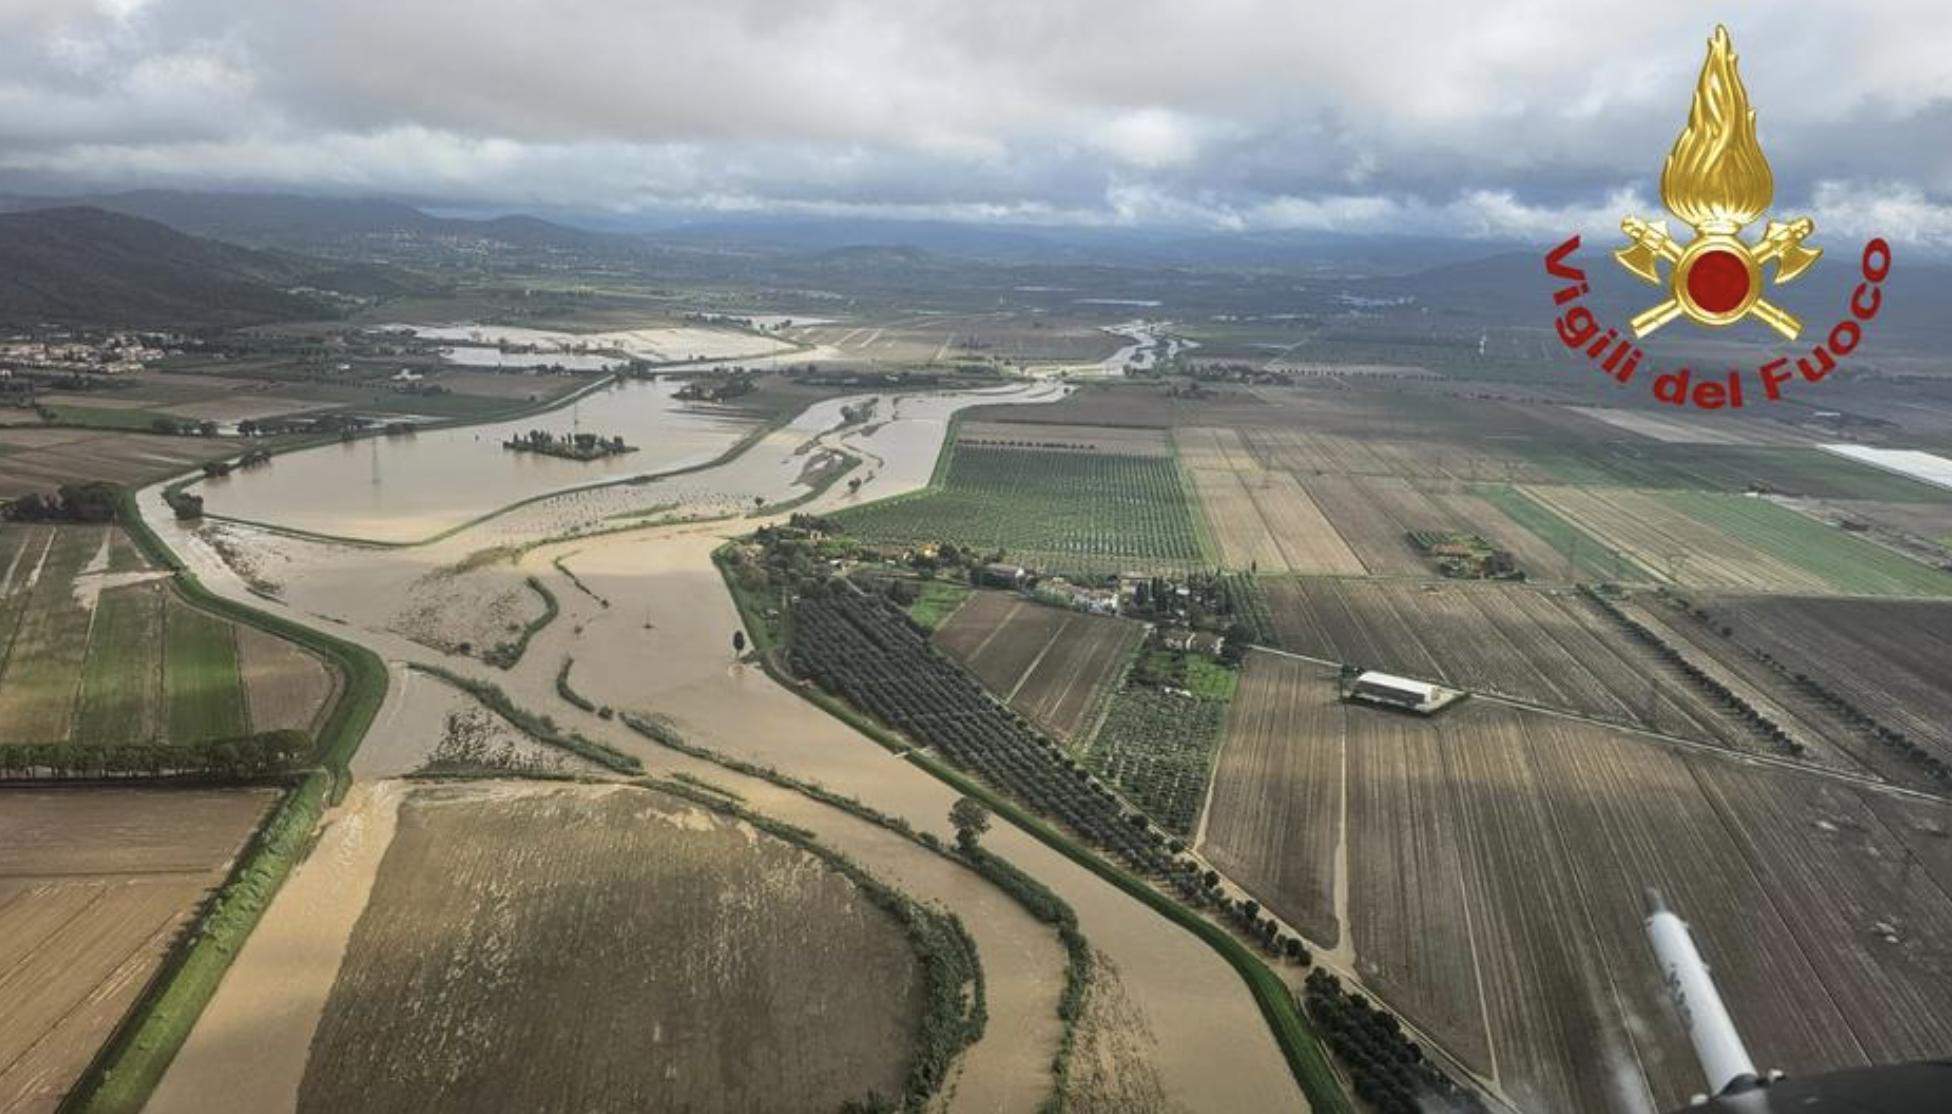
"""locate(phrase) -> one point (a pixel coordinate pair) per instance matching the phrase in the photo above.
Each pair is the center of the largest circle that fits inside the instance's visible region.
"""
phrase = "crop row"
(1880, 733)
(867, 650)
(1058, 504)
(1157, 747)
(1768, 729)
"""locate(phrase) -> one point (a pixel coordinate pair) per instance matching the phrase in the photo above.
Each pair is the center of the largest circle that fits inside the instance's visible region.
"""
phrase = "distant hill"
(292, 221)
(81, 265)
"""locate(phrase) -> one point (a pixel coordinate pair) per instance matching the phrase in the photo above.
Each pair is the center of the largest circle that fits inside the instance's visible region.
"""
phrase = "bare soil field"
(94, 885)
(42, 458)
(1056, 667)
(615, 949)
(284, 685)
(1275, 810)
(1543, 646)
(1891, 659)
(1497, 858)
(1104, 439)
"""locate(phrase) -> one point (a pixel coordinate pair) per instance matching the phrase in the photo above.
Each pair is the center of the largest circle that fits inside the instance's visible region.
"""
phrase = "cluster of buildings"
(109, 354)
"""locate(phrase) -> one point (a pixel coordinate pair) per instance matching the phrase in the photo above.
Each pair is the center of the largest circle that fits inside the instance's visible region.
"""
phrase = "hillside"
(313, 224)
(87, 266)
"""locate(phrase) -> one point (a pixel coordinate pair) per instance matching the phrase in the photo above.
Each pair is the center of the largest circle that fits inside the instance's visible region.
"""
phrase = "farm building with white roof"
(1391, 691)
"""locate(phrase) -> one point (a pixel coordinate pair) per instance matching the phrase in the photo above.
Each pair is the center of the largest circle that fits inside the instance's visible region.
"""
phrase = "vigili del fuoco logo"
(1717, 181)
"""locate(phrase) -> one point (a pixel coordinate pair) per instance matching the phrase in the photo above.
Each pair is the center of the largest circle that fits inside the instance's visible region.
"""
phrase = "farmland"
(1741, 544)
(1056, 510)
(525, 943)
(94, 886)
(43, 458)
(98, 648)
(1156, 746)
(1885, 657)
(1082, 438)
(864, 649)
(1548, 647)
(1054, 666)
(1273, 821)
(1495, 865)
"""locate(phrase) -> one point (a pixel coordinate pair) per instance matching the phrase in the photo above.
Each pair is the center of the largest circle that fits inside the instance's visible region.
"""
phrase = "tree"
(970, 820)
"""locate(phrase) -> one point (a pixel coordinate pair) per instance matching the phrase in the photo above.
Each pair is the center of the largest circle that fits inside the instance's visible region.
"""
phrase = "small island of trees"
(571, 446)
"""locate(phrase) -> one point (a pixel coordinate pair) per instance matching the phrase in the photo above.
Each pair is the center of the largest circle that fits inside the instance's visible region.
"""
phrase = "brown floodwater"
(663, 645)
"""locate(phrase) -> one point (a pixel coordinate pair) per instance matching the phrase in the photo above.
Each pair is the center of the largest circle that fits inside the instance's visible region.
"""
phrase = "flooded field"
(666, 344)
(410, 487)
(482, 355)
(648, 624)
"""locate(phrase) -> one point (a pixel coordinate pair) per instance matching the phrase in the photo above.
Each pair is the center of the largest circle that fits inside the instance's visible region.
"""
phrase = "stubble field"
(94, 885)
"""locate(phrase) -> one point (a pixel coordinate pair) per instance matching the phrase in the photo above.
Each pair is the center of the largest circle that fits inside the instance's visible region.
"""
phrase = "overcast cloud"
(1520, 120)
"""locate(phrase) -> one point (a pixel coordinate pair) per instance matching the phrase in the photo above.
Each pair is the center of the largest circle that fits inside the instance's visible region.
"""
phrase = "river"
(658, 642)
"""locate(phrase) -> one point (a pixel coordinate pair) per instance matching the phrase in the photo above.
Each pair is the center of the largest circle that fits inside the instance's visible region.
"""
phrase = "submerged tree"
(970, 820)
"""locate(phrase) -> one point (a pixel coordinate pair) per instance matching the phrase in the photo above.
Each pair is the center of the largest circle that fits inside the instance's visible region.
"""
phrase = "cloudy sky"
(1514, 119)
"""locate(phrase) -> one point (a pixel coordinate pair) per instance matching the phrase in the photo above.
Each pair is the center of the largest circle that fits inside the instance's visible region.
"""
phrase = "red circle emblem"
(1718, 281)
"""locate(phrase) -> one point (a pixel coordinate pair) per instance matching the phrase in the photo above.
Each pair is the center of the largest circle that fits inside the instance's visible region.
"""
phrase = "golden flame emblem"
(1717, 180)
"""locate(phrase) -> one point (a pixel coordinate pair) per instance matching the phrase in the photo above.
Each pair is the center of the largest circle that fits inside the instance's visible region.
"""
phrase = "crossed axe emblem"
(1717, 276)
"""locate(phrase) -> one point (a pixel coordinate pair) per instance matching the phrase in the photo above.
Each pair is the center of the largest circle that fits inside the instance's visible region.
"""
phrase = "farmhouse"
(1390, 691)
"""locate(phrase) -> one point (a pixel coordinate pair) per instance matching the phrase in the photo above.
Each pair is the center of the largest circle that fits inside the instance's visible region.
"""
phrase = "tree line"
(239, 756)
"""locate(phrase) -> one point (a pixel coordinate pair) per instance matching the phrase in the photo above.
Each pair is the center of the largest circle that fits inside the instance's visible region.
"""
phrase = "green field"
(121, 680)
(206, 696)
(123, 664)
(1053, 511)
(1588, 554)
(1846, 562)
(939, 600)
(1796, 471)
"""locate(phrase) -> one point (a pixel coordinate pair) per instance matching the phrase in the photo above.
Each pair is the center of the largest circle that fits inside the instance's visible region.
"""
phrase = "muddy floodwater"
(645, 626)
(409, 487)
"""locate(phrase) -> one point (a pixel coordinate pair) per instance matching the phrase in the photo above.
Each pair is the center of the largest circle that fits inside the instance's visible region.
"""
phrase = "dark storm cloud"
(1230, 113)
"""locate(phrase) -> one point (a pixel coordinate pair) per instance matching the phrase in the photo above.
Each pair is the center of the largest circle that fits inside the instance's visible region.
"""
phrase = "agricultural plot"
(1585, 556)
(1266, 521)
(1548, 647)
(610, 949)
(1080, 438)
(863, 649)
(1275, 816)
(94, 647)
(1496, 859)
(1841, 560)
(1738, 543)
(1889, 659)
(94, 885)
(41, 459)
(1053, 510)
(1214, 447)
(1157, 747)
(1056, 667)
